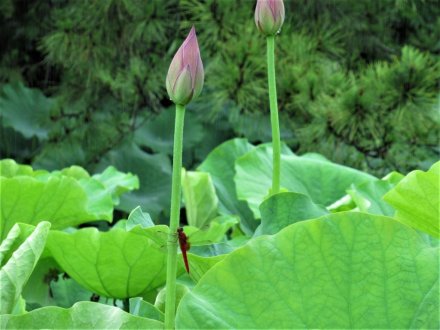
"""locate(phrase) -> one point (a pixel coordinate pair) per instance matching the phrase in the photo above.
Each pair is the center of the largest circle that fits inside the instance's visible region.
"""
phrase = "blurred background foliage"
(82, 82)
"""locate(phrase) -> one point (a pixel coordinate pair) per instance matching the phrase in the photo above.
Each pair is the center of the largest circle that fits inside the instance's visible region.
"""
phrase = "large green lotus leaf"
(117, 183)
(154, 172)
(417, 201)
(61, 200)
(201, 202)
(116, 264)
(83, 315)
(220, 165)
(25, 110)
(283, 209)
(343, 271)
(368, 195)
(324, 182)
(15, 273)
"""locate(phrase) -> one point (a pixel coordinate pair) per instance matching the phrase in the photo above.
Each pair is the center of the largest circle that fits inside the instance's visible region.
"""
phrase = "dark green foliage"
(348, 87)
(357, 80)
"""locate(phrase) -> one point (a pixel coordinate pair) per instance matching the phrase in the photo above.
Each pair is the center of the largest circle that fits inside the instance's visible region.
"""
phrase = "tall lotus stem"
(184, 82)
(276, 139)
(269, 17)
(170, 302)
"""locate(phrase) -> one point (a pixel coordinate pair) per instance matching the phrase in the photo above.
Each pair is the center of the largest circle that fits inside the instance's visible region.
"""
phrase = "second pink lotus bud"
(269, 16)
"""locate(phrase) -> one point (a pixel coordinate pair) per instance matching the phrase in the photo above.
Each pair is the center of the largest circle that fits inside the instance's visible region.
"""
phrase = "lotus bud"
(185, 76)
(269, 16)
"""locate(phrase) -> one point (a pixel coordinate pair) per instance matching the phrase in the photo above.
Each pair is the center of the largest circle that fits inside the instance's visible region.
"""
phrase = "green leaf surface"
(61, 200)
(143, 308)
(9, 168)
(20, 307)
(117, 183)
(26, 110)
(417, 200)
(83, 315)
(65, 198)
(201, 202)
(138, 218)
(99, 200)
(181, 290)
(214, 233)
(220, 165)
(324, 182)
(313, 155)
(74, 171)
(154, 173)
(116, 264)
(199, 265)
(284, 209)
(16, 236)
(342, 271)
(368, 195)
(15, 273)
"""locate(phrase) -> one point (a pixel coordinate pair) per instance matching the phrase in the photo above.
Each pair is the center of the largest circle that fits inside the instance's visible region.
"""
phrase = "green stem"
(276, 143)
(170, 302)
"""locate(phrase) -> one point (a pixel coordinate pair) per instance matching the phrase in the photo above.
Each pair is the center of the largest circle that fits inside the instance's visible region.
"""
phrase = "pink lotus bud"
(185, 75)
(269, 16)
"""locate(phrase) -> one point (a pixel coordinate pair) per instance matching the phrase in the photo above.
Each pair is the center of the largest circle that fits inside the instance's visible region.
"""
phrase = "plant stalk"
(276, 142)
(170, 302)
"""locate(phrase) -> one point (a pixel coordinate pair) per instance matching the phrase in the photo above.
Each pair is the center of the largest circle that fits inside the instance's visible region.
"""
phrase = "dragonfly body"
(184, 246)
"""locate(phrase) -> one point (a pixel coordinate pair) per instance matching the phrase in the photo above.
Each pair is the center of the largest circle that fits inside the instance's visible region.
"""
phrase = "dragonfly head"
(180, 230)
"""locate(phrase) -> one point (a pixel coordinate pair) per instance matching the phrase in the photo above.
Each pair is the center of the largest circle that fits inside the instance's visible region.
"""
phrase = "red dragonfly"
(185, 245)
(202, 237)
(184, 242)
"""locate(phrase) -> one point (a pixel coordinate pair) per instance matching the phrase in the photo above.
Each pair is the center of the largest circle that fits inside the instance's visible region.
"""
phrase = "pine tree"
(357, 80)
